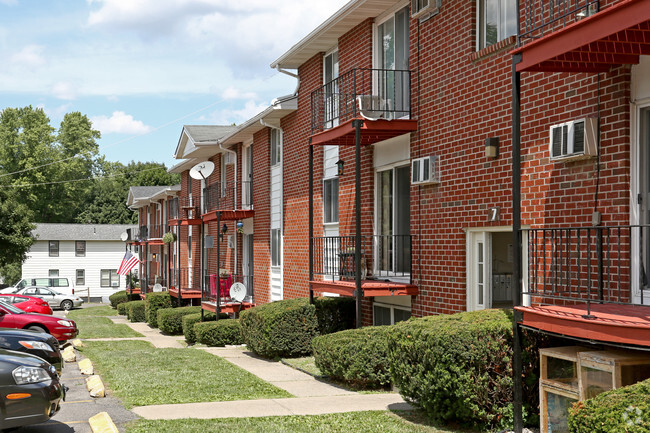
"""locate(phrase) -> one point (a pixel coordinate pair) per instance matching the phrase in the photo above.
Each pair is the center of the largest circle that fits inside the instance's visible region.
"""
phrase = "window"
(189, 246)
(54, 248)
(392, 53)
(53, 273)
(393, 220)
(81, 277)
(59, 282)
(80, 248)
(497, 21)
(109, 278)
(276, 243)
(276, 146)
(389, 314)
(331, 200)
(330, 75)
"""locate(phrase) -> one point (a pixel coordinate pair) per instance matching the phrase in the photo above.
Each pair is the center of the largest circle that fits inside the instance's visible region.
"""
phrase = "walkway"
(313, 396)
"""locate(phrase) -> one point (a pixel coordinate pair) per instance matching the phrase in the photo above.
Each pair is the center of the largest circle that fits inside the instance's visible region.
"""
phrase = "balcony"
(577, 36)
(386, 267)
(183, 211)
(582, 283)
(184, 283)
(214, 299)
(233, 200)
(379, 98)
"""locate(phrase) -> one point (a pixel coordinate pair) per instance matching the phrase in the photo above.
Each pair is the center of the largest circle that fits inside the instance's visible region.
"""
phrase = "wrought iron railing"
(588, 265)
(370, 93)
(183, 208)
(382, 256)
(541, 17)
(151, 231)
(215, 286)
(228, 196)
(185, 279)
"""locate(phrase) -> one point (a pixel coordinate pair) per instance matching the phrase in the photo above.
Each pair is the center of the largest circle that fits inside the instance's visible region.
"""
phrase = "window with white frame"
(80, 248)
(53, 248)
(53, 273)
(384, 314)
(392, 207)
(81, 277)
(276, 146)
(330, 75)
(276, 247)
(392, 62)
(110, 278)
(497, 20)
(331, 200)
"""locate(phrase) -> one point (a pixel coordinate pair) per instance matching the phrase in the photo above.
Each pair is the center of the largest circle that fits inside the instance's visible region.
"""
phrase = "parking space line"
(77, 401)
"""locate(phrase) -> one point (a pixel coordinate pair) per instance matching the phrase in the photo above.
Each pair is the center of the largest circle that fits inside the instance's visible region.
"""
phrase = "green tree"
(15, 231)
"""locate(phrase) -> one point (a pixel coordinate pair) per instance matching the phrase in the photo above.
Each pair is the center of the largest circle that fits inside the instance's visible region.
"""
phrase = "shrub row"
(154, 302)
(135, 311)
(121, 308)
(121, 297)
(170, 320)
(219, 332)
(356, 356)
(625, 409)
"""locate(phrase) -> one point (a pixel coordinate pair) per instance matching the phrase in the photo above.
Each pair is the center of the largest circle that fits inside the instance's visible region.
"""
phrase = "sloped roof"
(194, 139)
(139, 195)
(80, 232)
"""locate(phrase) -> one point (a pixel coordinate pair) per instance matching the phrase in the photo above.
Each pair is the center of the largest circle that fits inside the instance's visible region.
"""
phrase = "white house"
(87, 254)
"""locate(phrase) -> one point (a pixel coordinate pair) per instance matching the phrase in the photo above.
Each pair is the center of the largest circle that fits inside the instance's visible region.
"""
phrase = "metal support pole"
(201, 259)
(517, 367)
(357, 123)
(178, 262)
(218, 288)
(311, 221)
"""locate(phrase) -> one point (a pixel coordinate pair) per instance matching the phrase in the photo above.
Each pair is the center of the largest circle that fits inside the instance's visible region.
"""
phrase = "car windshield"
(11, 308)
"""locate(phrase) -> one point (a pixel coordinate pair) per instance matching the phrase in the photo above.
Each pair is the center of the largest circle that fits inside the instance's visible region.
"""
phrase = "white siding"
(99, 255)
(276, 223)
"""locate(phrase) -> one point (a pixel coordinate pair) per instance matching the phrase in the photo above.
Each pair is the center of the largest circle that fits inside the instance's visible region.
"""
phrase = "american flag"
(128, 262)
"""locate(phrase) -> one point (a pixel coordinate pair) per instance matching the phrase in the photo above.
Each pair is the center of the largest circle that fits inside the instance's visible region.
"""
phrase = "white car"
(52, 297)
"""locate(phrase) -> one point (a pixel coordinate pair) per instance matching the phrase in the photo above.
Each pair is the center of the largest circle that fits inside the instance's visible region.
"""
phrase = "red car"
(29, 304)
(12, 317)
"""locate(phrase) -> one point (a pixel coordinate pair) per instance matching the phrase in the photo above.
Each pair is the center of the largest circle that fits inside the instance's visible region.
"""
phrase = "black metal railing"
(588, 265)
(151, 231)
(184, 208)
(173, 208)
(228, 196)
(382, 256)
(370, 93)
(185, 279)
(215, 286)
(541, 17)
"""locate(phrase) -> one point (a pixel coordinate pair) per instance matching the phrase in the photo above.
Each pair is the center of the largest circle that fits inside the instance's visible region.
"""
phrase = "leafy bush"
(121, 308)
(154, 302)
(335, 314)
(356, 356)
(170, 320)
(122, 297)
(456, 367)
(625, 409)
(191, 319)
(135, 311)
(219, 332)
(280, 329)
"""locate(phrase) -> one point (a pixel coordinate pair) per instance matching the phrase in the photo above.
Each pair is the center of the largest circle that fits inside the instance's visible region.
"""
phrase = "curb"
(102, 423)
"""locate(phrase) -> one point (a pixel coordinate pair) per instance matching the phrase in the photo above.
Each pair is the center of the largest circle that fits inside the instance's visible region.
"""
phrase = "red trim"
(185, 293)
(624, 324)
(186, 222)
(230, 307)
(372, 131)
(371, 288)
(599, 40)
(228, 215)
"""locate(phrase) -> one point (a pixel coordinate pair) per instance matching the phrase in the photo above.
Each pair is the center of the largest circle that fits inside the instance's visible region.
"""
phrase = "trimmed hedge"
(170, 320)
(335, 314)
(121, 308)
(191, 319)
(121, 297)
(356, 356)
(154, 302)
(456, 367)
(280, 329)
(625, 409)
(135, 311)
(219, 332)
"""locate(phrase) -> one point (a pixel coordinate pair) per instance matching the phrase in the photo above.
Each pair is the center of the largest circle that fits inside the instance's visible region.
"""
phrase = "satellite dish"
(237, 292)
(157, 288)
(202, 170)
(124, 236)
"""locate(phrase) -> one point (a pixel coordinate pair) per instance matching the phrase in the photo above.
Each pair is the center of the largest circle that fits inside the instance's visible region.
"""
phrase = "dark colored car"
(30, 391)
(29, 304)
(35, 343)
(61, 329)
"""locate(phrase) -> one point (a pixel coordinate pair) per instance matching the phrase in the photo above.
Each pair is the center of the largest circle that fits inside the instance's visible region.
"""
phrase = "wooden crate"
(554, 403)
(605, 370)
(559, 367)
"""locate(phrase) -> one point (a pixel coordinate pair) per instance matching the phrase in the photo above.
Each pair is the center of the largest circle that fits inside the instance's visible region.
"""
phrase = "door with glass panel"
(393, 57)
(643, 201)
(393, 240)
(330, 78)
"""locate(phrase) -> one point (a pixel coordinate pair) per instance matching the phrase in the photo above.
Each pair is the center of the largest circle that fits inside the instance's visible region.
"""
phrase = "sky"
(141, 69)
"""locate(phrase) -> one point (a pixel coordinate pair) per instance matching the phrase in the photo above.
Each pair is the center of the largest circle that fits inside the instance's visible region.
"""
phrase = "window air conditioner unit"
(574, 140)
(425, 170)
(373, 107)
(424, 9)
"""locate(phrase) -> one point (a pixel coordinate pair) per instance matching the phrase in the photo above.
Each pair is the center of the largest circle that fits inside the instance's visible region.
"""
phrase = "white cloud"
(228, 116)
(119, 123)
(64, 90)
(232, 92)
(30, 56)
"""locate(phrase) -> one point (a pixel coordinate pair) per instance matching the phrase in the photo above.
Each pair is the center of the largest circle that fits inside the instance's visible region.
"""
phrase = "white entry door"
(480, 271)
(643, 234)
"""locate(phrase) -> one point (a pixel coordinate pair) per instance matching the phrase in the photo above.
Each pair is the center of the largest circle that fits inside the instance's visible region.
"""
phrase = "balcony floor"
(613, 323)
(372, 131)
(185, 293)
(228, 307)
(228, 215)
(371, 288)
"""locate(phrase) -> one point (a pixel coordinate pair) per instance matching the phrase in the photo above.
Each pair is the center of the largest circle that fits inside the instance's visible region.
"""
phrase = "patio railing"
(542, 17)
(228, 196)
(214, 287)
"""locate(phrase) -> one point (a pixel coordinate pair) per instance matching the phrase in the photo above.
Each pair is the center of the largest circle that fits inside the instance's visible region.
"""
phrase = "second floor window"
(497, 21)
(276, 146)
(331, 200)
(54, 248)
(80, 248)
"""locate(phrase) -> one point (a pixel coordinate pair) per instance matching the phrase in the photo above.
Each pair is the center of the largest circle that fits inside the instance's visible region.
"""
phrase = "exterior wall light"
(492, 147)
(340, 163)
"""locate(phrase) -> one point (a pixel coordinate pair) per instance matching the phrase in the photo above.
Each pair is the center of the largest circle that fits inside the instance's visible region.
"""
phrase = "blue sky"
(141, 69)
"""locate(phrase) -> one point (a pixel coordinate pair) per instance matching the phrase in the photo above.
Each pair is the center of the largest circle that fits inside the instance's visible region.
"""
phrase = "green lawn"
(306, 364)
(141, 375)
(93, 323)
(357, 422)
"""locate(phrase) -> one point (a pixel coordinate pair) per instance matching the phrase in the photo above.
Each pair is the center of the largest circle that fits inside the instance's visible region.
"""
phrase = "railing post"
(599, 251)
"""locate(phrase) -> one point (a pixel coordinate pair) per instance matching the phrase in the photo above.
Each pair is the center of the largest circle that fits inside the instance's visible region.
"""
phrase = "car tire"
(66, 305)
(37, 328)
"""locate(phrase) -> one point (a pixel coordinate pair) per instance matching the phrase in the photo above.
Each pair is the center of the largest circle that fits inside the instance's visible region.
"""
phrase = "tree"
(15, 231)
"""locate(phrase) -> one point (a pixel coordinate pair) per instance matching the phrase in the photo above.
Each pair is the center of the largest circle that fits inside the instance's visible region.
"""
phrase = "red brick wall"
(262, 221)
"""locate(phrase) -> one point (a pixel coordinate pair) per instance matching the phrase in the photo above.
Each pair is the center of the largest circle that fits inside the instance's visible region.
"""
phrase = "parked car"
(59, 284)
(35, 343)
(29, 388)
(52, 297)
(26, 303)
(13, 317)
